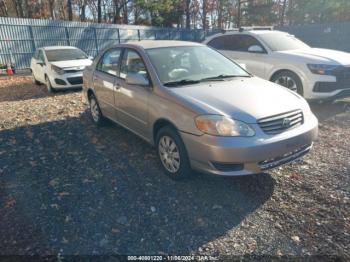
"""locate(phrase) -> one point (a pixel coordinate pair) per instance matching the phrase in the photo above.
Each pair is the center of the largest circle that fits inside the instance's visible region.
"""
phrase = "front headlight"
(218, 125)
(58, 70)
(321, 69)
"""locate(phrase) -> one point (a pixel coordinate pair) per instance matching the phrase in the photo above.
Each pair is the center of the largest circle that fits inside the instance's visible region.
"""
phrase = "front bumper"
(324, 87)
(72, 80)
(249, 155)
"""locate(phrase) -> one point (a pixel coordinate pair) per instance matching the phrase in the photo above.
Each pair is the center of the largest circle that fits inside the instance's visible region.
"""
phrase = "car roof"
(247, 32)
(58, 47)
(148, 44)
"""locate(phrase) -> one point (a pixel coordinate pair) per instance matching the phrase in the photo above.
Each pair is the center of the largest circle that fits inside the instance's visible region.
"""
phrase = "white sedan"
(59, 67)
(315, 73)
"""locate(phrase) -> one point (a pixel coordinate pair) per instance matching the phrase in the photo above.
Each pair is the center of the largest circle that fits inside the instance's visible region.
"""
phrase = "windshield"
(282, 42)
(189, 64)
(65, 54)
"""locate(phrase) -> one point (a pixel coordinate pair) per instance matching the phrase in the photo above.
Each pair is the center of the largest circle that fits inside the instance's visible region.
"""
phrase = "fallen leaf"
(62, 194)
(296, 239)
(10, 202)
(30, 134)
(115, 230)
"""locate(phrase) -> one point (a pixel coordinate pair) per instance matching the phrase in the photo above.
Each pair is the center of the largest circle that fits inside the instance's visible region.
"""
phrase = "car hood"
(81, 63)
(245, 99)
(327, 56)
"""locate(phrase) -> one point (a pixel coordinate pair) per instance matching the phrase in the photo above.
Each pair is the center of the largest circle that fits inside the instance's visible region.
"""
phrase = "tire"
(171, 150)
(48, 85)
(95, 111)
(289, 80)
(35, 82)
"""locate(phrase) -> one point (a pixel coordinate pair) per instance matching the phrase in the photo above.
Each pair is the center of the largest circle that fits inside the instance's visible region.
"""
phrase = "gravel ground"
(69, 187)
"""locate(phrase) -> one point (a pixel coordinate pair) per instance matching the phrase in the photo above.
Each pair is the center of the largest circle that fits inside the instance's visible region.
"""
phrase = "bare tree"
(188, 14)
(70, 10)
(52, 9)
(204, 15)
(99, 12)
(283, 13)
(3, 8)
(82, 11)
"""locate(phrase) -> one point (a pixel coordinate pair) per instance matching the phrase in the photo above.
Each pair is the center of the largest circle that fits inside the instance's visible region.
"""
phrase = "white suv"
(316, 74)
(59, 67)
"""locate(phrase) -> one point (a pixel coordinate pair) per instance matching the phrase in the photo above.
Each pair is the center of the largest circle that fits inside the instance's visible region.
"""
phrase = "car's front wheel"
(172, 154)
(48, 85)
(36, 82)
(289, 80)
(95, 111)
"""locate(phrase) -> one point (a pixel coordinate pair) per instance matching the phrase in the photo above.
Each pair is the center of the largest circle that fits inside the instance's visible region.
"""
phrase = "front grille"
(342, 73)
(71, 71)
(75, 80)
(343, 77)
(279, 123)
(228, 167)
(284, 159)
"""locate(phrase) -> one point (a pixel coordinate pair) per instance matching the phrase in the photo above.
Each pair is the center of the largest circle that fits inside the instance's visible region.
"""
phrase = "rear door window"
(238, 43)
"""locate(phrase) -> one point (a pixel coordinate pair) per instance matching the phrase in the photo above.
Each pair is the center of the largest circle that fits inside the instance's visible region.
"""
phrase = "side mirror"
(41, 63)
(137, 79)
(255, 49)
(91, 57)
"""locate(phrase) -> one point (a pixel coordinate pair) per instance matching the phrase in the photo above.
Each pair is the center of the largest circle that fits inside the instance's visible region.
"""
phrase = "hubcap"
(169, 154)
(288, 82)
(94, 110)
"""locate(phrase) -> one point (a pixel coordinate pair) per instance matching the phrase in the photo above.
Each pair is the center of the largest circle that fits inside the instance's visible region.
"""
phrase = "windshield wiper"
(221, 77)
(182, 82)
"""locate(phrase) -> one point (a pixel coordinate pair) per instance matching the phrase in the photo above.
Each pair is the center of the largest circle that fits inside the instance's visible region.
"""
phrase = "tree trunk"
(52, 7)
(283, 12)
(188, 14)
(3, 8)
(204, 15)
(116, 19)
(70, 10)
(239, 14)
(82, 14)
(290, 10)
(125, 12)
(28, 8)
(220, 3)
(99, 12)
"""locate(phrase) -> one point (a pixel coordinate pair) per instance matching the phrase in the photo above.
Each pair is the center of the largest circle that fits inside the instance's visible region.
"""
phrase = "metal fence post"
(32, 36)
(138, 34)
(67, 35)
(96, 40)
(118, 35)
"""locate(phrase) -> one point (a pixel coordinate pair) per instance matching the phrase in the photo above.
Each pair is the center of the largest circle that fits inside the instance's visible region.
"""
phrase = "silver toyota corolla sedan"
(198, 108)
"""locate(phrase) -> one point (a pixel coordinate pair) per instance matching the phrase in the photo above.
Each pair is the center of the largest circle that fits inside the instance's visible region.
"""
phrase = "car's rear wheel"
(95, 111)
(172, 154)
(48, 85)
(289, 80)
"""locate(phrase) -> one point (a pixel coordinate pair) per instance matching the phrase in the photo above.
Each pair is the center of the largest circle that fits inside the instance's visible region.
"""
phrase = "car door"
(39, 65)
(132, 100)
(104, 80)
(237, 47)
